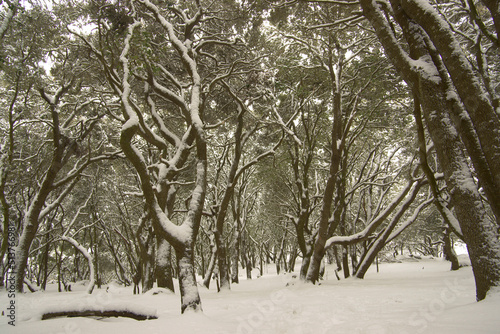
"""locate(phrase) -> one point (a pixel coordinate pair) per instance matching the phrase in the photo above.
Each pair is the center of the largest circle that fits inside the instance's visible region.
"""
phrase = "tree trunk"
(23, 249)
(291, 261)
(223, 267)
(345, 261)
(234, 268)
(468, 85)
(190, 298)
(149, 267)
(97, 313)
(45, 262)
(248, 267)
(448, 250)
(479, 233)
(164, 264)
(235, 255)
(280, 255)
(211, 265)
(336, 138)
(322, 270)
(247, 261)
(306, 260)
(354, 258)
(337, 257)
(95, 251)
(59, 272)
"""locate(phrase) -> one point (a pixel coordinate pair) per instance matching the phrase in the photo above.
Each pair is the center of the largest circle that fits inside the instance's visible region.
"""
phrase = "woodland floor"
(413, 296)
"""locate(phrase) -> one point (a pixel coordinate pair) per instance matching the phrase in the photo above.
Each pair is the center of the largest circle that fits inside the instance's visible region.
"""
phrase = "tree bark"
(223, 267)
(97, 313)
(190, 299)
(211, 264)
(448, 250)
(345, 261)
(235, 255)
(471, 92)
(163, 264)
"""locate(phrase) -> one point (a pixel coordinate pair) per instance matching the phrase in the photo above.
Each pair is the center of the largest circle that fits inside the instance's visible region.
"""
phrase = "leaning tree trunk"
(306, 259)
(485, 124)
(39, 207)
(23, 249)
(378, 244)
(479, 232)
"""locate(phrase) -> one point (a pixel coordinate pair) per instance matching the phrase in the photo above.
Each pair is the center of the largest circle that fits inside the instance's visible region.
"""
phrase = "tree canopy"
(148, 140)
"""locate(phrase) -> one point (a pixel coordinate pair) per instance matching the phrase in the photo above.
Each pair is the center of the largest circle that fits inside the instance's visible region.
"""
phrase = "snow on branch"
(133, 119)
(78, 212)
(349, 20)
(78, 246)
(374, 224)
(410, 219)
(87, 256)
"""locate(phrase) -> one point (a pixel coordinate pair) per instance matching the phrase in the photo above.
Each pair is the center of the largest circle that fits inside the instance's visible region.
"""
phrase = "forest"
(193, 144)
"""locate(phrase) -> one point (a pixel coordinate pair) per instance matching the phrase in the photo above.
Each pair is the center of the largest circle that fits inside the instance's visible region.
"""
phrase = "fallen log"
(98, 313)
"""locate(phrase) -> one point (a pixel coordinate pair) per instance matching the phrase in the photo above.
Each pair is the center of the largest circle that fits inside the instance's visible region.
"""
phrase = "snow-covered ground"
(410, 297)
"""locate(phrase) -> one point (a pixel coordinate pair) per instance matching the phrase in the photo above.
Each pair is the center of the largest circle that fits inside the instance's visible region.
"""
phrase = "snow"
(425, 66)
(417, 296)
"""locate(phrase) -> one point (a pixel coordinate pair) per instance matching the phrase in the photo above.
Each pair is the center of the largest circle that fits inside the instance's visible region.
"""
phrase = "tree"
(445, 85)
(236, 169)
(70, 239)
(184, 86)
(59, 112)
(332, 54)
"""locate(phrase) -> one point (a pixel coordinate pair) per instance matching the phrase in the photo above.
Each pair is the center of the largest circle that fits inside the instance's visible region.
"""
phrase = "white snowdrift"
(421, 296)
